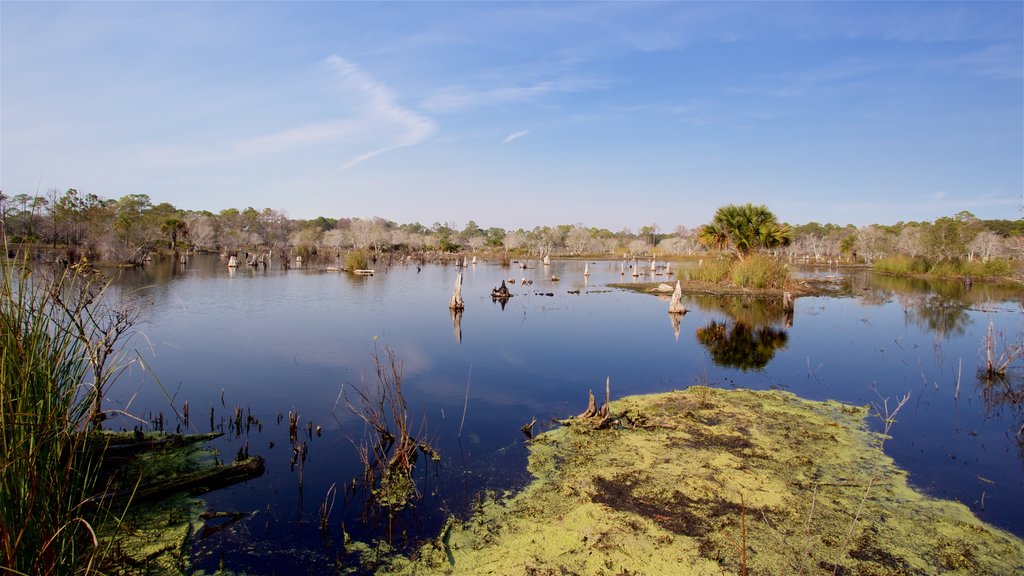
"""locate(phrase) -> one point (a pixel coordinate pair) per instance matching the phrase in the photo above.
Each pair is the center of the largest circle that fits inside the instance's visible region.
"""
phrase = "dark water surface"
(270, 341)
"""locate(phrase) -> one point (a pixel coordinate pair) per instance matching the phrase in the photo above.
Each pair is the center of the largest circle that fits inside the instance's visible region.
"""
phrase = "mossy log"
(193, 483)
(126, 444)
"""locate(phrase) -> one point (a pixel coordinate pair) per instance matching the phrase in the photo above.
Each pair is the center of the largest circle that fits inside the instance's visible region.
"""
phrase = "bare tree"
(986, 245)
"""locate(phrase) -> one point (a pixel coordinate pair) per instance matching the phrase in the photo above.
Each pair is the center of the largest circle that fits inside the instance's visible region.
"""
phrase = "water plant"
(389, 451)
(47, 475)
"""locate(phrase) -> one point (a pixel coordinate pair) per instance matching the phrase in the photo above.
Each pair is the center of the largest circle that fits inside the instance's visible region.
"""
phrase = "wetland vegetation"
(718, 480)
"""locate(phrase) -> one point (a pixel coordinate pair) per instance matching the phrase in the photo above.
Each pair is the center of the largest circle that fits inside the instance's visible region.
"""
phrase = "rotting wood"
(599, 417)
(591, 408)
(528, 428)
(194, 483)
(128, 444)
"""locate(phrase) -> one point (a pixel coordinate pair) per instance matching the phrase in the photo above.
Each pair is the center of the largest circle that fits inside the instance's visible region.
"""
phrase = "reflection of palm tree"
(741, 346)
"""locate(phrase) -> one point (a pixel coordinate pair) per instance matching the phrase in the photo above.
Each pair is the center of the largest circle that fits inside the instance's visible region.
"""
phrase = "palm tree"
(744, 228)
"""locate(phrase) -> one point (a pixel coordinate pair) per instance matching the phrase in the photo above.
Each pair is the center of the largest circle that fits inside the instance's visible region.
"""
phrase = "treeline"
(129, 228)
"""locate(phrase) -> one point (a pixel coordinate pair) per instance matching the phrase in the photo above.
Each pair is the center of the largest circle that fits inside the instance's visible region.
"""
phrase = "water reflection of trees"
(747, 310)
(938, 306)
(936, 313)
(755, 331)
(741, 346)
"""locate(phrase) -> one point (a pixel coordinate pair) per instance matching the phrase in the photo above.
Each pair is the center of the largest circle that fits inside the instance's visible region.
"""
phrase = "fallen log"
(194, 483)
(130, 443)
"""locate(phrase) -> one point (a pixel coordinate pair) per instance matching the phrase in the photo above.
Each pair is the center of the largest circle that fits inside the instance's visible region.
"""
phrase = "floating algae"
(707, 481)
(150, 516)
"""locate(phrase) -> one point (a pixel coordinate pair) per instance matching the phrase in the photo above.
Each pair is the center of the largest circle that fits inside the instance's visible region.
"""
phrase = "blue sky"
(522, 114)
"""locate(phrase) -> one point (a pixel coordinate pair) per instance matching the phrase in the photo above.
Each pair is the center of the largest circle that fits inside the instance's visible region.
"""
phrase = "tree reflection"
(741, 346)
(936, 313)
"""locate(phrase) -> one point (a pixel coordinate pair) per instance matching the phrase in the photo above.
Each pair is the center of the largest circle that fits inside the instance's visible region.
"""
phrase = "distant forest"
(71, 225)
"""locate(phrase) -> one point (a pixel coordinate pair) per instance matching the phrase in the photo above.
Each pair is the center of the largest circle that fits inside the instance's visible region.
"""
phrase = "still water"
(272, 340)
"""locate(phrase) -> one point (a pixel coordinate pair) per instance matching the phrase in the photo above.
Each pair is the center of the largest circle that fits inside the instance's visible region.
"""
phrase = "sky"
(615, 115)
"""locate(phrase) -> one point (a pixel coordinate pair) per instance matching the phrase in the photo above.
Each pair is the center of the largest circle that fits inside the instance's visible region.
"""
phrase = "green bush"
(760, 271)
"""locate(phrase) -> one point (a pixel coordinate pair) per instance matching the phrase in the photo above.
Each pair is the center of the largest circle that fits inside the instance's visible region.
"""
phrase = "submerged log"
(129, 444)
(194, 483)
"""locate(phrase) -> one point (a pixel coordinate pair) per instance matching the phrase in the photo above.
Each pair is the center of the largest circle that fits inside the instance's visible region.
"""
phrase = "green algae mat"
(708, 481)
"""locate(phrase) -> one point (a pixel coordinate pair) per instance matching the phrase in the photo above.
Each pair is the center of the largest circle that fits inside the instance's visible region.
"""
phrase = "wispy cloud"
(364, 120)
(455, 98)
(380, 110)
(515, 136)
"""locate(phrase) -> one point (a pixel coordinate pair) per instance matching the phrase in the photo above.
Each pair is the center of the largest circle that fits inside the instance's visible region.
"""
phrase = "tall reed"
(760, 271)
(47, 474)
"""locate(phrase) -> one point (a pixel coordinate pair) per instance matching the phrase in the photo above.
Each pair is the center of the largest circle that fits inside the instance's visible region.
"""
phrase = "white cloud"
(515, 136)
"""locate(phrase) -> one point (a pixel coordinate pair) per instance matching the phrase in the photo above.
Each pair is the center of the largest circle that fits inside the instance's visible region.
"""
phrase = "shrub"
(760, 271)
(356, 260)
(992, 268)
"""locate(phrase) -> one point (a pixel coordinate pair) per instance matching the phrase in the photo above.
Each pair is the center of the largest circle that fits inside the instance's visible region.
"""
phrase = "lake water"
(270, 341)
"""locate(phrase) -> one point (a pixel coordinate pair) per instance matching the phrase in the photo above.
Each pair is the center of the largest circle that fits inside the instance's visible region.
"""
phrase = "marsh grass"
(711, 271)
(759, 271)
(49, 474)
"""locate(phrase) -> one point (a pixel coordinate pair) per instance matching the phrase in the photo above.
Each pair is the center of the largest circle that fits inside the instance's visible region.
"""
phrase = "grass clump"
(47, 475)
(713, 271)
(759, 271)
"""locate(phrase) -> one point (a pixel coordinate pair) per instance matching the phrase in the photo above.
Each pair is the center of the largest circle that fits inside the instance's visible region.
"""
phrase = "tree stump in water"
(456, 302)
(676, 305)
